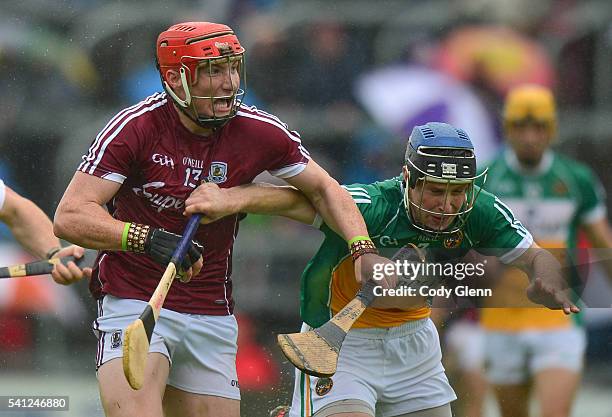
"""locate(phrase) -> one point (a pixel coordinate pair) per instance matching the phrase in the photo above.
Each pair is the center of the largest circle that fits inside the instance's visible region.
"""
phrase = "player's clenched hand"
(552, 295)
(160, 245)
(210, 201)
(70, 273)
(366, 265)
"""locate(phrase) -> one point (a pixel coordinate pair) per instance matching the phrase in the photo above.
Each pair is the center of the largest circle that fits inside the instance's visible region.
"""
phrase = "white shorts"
(513, 357)
(201, 349)
(392, 371)
(465, 339)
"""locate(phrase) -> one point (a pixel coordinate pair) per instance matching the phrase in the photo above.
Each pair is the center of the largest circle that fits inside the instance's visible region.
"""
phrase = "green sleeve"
(370, 202)
(592, 204)
(495, 231)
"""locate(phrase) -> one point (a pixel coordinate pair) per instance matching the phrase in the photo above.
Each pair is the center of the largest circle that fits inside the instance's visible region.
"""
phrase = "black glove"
(160, 245)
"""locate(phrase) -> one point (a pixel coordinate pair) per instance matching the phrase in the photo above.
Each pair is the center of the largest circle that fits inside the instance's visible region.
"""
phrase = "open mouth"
(223, 105)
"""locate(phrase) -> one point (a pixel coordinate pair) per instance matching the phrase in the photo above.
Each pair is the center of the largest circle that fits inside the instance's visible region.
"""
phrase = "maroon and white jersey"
(158, 163)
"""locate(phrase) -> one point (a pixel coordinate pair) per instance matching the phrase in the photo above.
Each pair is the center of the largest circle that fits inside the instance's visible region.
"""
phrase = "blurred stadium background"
(352, 76)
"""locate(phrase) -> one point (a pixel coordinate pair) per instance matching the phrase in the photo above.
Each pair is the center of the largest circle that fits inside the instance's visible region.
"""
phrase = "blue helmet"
(440, 153)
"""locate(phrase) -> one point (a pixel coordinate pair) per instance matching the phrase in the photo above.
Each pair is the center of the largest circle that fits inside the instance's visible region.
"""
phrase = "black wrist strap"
(52, 252)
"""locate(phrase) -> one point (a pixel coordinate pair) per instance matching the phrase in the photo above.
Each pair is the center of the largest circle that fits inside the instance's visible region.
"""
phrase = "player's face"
(439, 203)
(217, 82)
(529, 139)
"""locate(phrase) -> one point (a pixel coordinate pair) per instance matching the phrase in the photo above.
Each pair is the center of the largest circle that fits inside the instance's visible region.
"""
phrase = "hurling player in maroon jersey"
(142, 167)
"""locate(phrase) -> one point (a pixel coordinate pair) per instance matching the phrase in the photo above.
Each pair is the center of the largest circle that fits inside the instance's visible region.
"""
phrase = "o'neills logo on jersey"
(218, 172)
(157, 200)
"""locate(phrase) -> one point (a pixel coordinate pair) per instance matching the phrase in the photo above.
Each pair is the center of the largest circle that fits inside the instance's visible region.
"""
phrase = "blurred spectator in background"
(375, 154)
(326, 69)
(273, 64)
(313, 84)
(496, 57)
(403, 96)
(43, 82)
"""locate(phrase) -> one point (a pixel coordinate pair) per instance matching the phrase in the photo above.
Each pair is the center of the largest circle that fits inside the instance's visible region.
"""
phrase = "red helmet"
(185, 46)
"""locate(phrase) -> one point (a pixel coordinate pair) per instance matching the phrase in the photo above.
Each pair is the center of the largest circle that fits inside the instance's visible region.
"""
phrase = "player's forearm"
(338, 210)
(547, 267)
(540, 263)
(31, 227)
(272, 200)
(89, 225)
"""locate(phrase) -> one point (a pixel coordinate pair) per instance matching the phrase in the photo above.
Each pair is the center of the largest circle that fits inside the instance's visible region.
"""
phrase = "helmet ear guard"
(182, 103)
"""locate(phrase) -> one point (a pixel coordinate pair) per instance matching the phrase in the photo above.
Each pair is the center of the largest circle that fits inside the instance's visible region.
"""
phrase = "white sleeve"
(2, 193)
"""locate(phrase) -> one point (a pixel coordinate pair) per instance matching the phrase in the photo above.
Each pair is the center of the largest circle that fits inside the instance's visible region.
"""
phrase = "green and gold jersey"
(552, 201)
(328, 282)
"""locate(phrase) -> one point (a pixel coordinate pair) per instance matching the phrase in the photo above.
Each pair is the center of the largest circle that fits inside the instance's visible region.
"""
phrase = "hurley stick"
(45, 267)
(138, 334)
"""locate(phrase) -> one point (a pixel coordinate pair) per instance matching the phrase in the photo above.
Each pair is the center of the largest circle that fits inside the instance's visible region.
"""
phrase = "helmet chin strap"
(183, 103)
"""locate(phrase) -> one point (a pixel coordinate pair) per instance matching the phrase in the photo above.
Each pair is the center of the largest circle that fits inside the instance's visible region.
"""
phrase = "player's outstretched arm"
(29, 224)
(34, 232)
(339, 211)
(331, 201)
(257, 198)
(548, 286)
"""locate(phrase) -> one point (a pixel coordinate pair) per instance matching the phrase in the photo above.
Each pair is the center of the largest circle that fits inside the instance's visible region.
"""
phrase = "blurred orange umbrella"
(496, 55)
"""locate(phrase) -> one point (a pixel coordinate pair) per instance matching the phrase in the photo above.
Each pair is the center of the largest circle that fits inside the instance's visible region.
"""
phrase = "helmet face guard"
(234, 100)
(193, 47)
(439, 154)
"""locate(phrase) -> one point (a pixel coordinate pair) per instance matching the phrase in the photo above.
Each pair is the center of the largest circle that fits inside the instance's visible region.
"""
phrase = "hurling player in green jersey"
(531, 350)
(390, 360)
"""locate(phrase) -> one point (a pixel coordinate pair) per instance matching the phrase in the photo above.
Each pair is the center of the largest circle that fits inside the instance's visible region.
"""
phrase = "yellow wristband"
(356, 238)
